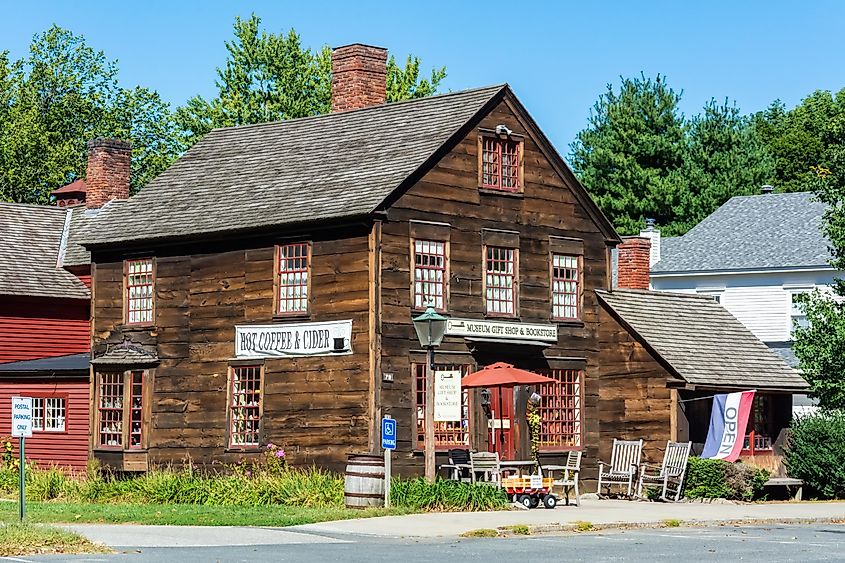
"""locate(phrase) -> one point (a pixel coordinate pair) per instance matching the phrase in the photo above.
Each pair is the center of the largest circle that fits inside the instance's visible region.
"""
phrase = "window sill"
(502, 317)
(569, 323)
(119, 450)
(505, 193)
(138, 326)
(244, 450)
(292, 317)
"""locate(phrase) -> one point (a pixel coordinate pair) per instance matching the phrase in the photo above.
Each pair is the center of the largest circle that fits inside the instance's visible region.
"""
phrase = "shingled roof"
(759, 232)
(30, 243)
(700, 341)
(326, 167)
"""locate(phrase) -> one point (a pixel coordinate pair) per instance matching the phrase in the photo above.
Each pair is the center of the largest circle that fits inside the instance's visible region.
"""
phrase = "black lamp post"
(431, 328)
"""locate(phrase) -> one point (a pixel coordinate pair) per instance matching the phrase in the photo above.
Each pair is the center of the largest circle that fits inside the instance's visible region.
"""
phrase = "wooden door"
(504, 443)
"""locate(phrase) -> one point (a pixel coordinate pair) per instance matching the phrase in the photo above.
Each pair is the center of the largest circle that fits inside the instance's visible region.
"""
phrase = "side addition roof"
(30, 244)
(758, 232)
(700, 341)
(74, 364)
(328, 167)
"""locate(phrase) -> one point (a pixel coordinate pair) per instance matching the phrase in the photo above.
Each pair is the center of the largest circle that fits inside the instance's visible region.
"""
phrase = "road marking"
(16, 559)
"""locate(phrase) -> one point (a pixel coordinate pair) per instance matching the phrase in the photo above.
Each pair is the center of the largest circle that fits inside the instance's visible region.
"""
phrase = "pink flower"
(249, 473)
(270, 446)
(280, 453)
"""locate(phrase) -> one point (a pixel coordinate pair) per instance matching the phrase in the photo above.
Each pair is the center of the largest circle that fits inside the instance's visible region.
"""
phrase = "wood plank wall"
(32, 328)
(317, 408)
(449, 193)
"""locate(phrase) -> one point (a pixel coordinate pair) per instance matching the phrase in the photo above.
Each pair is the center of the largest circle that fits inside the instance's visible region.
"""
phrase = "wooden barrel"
(364, 483)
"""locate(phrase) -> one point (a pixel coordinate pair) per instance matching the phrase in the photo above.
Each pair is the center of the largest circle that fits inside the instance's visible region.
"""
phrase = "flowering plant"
(274, 459)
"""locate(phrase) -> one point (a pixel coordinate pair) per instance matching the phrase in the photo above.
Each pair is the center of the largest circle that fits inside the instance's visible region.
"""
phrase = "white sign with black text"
(501, 329)
(293, 339)
(21, 417)
(447, 396)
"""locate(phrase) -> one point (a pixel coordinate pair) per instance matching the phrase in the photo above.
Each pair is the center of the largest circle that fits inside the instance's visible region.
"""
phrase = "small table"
(518, 466)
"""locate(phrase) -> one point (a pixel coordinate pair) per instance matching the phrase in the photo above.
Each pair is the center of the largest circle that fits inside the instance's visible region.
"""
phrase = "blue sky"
(558, 56)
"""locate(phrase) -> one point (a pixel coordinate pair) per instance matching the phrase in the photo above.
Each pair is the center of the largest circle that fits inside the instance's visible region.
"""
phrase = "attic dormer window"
(500, 166)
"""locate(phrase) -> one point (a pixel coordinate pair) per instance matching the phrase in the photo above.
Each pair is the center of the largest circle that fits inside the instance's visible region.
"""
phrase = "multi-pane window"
(500, 280)
(139, 291)
(120, 409)
(796, 311)
(448, 434)
(110, 409)
(500, 164)
(430, 274)
(293, 261)
(560, 410)
(244, 406)
(136, 409)
(48, 414)
(565, 286)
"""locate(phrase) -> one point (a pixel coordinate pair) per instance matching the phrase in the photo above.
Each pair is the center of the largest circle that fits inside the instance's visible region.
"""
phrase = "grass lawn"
(183, 514)
(32, 539)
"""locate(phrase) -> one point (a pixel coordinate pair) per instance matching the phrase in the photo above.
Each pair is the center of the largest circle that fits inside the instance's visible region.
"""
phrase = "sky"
(557, 56)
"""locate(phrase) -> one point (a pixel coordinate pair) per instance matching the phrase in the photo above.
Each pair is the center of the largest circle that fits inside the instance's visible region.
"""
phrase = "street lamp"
(431, 328)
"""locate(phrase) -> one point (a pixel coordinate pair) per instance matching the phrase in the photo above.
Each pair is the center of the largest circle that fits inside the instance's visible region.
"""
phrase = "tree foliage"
(630, 155)
(61, 95)
(269, 77)
(639, 157)
(820, 347)
(803, 138)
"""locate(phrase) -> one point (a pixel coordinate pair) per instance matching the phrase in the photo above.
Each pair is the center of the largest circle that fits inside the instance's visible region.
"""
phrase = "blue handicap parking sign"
(388, 433)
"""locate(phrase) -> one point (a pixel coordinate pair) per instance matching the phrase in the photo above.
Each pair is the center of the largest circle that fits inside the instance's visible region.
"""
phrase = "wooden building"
(261, 289)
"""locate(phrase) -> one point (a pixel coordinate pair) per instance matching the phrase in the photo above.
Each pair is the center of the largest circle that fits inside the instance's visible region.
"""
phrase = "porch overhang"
(508, 342)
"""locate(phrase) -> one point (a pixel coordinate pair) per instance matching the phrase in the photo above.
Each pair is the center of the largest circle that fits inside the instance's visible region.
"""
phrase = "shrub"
(419, 494)
(715, 478)
(815, 453)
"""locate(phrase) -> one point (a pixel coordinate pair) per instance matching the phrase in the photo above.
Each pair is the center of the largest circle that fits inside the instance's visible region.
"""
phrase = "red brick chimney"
(107, 176)
(633, 263)
(359, 74)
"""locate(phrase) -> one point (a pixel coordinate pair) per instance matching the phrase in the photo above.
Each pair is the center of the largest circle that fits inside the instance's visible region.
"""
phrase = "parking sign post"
(22, 428)
(388, 442)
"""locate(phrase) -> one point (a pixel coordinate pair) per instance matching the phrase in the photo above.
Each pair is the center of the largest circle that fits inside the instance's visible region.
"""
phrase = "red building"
(45, 305)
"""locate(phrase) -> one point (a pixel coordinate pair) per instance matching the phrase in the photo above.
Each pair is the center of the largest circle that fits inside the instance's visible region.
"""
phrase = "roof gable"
(329, 167)
(760, 232)
(700, 341)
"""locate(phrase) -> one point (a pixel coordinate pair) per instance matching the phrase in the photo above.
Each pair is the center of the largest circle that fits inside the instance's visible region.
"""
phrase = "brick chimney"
(107, 176)
(359, 74)
(633, 263)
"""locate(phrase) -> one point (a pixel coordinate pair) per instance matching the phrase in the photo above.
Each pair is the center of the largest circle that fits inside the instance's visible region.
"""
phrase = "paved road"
(772, 544)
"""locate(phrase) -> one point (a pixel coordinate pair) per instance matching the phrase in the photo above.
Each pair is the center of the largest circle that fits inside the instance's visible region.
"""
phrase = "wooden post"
(429, 416)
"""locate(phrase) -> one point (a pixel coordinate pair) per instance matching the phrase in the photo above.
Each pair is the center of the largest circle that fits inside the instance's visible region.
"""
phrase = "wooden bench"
(787, 482)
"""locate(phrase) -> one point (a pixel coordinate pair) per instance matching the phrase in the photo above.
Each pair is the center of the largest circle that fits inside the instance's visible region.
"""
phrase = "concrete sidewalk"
(597, 512)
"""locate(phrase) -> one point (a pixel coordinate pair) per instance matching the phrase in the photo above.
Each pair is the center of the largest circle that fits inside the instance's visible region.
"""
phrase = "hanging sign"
(728, 420)
(447, 396)
(501, 330)
(21, 417)
(293, 339)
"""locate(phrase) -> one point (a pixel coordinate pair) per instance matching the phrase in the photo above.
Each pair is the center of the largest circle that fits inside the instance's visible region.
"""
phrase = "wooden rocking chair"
(623, 466)
(670, 475)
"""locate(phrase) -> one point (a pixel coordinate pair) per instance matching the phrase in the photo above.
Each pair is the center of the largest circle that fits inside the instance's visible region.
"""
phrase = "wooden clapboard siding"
(64, 449)
(449, 193)
(32, 328)
(317, 407)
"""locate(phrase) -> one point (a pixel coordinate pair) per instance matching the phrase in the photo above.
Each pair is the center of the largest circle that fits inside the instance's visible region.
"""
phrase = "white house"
(754, 255)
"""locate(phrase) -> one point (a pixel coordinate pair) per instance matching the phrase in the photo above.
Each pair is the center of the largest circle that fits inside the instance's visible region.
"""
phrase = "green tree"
(802, 138)
(269, 77)
(820, 346)
(725, 157)
(631, 154)
(61, 95)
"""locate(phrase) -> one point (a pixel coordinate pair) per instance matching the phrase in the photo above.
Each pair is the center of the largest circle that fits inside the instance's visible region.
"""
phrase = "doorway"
(501, 426)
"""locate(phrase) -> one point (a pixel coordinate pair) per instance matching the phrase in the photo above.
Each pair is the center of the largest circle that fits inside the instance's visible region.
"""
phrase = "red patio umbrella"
(501, 375)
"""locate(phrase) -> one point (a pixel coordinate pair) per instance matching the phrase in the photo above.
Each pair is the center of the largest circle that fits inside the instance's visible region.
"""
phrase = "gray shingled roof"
(30, 238)
(765, 232)
(75, 253)
(702, 342)
(331, 166)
